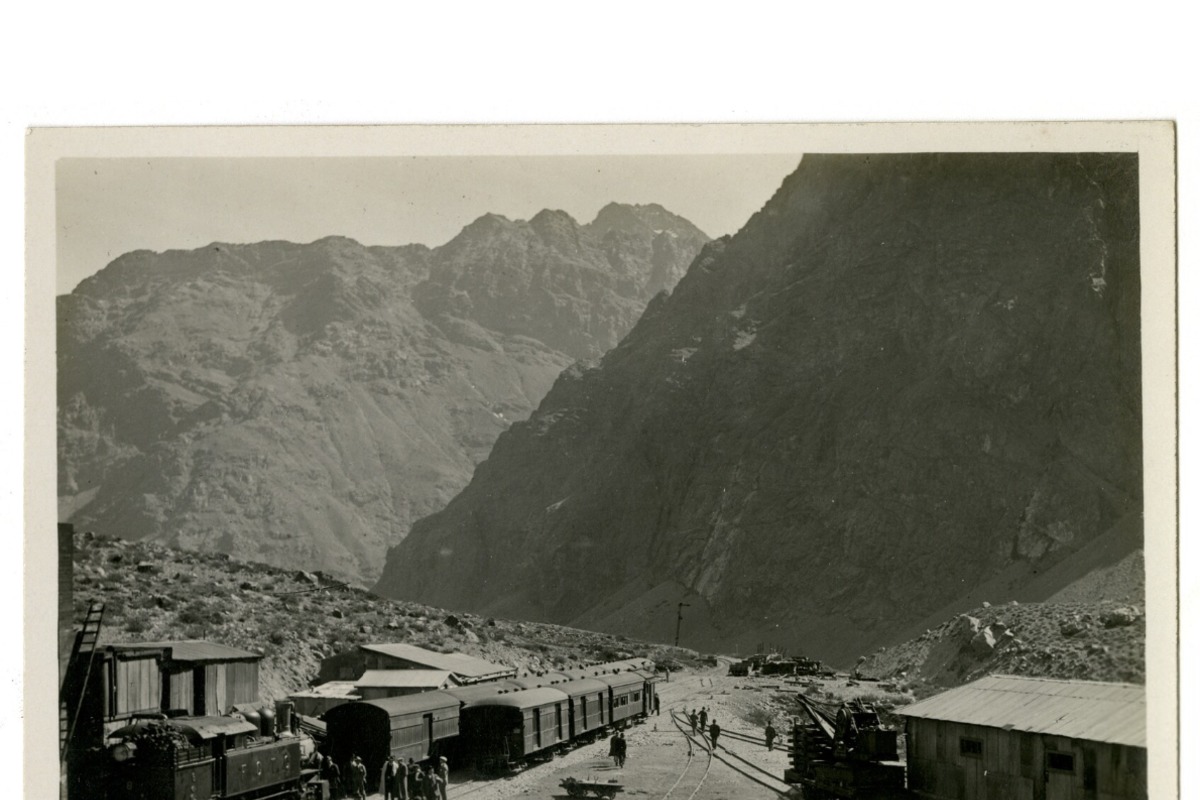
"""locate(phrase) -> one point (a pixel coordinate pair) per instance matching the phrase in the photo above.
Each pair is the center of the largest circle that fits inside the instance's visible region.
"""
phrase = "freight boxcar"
(415, 726)
(503, 729)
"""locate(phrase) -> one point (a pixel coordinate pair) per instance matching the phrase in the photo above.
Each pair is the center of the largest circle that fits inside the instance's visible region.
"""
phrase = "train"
(492, 727)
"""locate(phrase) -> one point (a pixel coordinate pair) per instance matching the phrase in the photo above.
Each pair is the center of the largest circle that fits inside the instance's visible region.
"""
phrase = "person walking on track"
(714, 730)
(770, 734)
(692, 718)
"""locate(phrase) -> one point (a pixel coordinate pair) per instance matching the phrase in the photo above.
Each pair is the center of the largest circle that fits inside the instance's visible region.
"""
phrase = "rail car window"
(1060, 762)
(970, 747)
(637, 696)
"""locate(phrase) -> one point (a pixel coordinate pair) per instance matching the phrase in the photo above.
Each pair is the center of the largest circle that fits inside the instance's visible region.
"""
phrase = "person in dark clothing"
(413, 770)
(443, 771)
(387, 780)
(770, 734)
(703, 718)
(333, 774)
(714, 730)
(419, 784)
(656, 705)
(621, 750)
(612, 750)
(433, 784)
(692, 718)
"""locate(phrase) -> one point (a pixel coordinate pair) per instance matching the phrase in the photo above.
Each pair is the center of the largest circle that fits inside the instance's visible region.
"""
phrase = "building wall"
(1021, 766)
(342, 667)
(136, 686)
(66, 596)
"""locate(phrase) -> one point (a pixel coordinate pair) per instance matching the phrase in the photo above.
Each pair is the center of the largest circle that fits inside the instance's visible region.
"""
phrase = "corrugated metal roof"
(1098, 712)
(345, 689)
(458, 663)
(192, 650)
(404, 678)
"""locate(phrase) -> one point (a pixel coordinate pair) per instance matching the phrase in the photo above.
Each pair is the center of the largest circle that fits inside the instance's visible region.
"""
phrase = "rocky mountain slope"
(295, 618)
(907, 376)
(302, 405)
(1103, 641)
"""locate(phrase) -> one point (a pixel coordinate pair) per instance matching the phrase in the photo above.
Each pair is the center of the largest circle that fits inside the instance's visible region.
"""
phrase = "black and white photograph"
(678, 462)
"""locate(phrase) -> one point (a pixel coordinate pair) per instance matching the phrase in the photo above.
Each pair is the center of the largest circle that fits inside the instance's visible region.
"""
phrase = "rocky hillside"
(295, 618)
(907, 376)
(1103, 641)
(302, 405)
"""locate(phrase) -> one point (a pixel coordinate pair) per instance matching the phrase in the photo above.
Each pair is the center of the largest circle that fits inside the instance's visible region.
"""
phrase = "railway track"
(748, 769)
(692, 744)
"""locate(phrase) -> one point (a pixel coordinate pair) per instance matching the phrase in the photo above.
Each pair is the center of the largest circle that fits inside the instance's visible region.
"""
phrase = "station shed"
(376, 684)
(1029, 739)
(316, 700)
(351, 666)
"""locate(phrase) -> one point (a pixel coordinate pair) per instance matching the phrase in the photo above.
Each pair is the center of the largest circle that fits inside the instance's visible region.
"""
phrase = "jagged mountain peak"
(634, 218)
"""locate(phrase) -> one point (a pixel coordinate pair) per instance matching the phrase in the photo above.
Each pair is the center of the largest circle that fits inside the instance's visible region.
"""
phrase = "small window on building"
(970, 747)
(1060, 762)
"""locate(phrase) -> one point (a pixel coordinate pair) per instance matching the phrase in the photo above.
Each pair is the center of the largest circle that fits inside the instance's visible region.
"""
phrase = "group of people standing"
(397, 781)
(701, 725)
(616, 748)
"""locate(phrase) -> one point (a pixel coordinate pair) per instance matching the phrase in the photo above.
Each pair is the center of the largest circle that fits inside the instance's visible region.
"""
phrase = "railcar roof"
(398, 706)
(527, 698)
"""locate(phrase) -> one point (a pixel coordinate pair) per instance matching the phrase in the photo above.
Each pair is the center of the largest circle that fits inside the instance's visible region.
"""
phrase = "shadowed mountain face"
(303, 404)
(908, 375)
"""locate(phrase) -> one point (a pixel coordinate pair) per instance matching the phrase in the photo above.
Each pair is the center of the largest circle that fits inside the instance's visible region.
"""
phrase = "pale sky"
(107, 207)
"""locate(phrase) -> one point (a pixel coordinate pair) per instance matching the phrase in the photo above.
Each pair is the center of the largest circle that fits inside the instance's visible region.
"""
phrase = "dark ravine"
(906, 376)
(302, 405)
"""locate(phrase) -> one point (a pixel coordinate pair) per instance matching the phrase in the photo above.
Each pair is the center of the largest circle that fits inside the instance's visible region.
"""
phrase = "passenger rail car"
(625, 693)
(589, 707)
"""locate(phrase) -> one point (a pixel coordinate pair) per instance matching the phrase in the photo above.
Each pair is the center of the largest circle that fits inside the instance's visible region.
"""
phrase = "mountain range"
(303, 404)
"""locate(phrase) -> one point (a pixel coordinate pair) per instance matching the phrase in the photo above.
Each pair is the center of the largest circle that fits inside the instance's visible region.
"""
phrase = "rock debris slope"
(908, 375)
(302, 405)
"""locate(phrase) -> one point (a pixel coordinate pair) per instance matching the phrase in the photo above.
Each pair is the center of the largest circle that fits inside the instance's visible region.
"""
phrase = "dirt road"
(663, 762)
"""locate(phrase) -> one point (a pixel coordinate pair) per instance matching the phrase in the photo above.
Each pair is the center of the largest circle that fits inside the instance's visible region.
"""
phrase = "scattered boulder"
(337, 614)
(1121, 616)
(147, 567)
(983, 643)
(247, 586)
(306, 577)
(1072, 626)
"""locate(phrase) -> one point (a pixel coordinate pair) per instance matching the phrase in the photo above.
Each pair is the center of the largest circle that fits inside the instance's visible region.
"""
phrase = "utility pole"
(679, 621)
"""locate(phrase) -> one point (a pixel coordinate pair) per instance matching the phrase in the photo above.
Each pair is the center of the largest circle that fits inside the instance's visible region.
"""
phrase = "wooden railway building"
(352, 665)
(188, 677)
(1029, 739)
